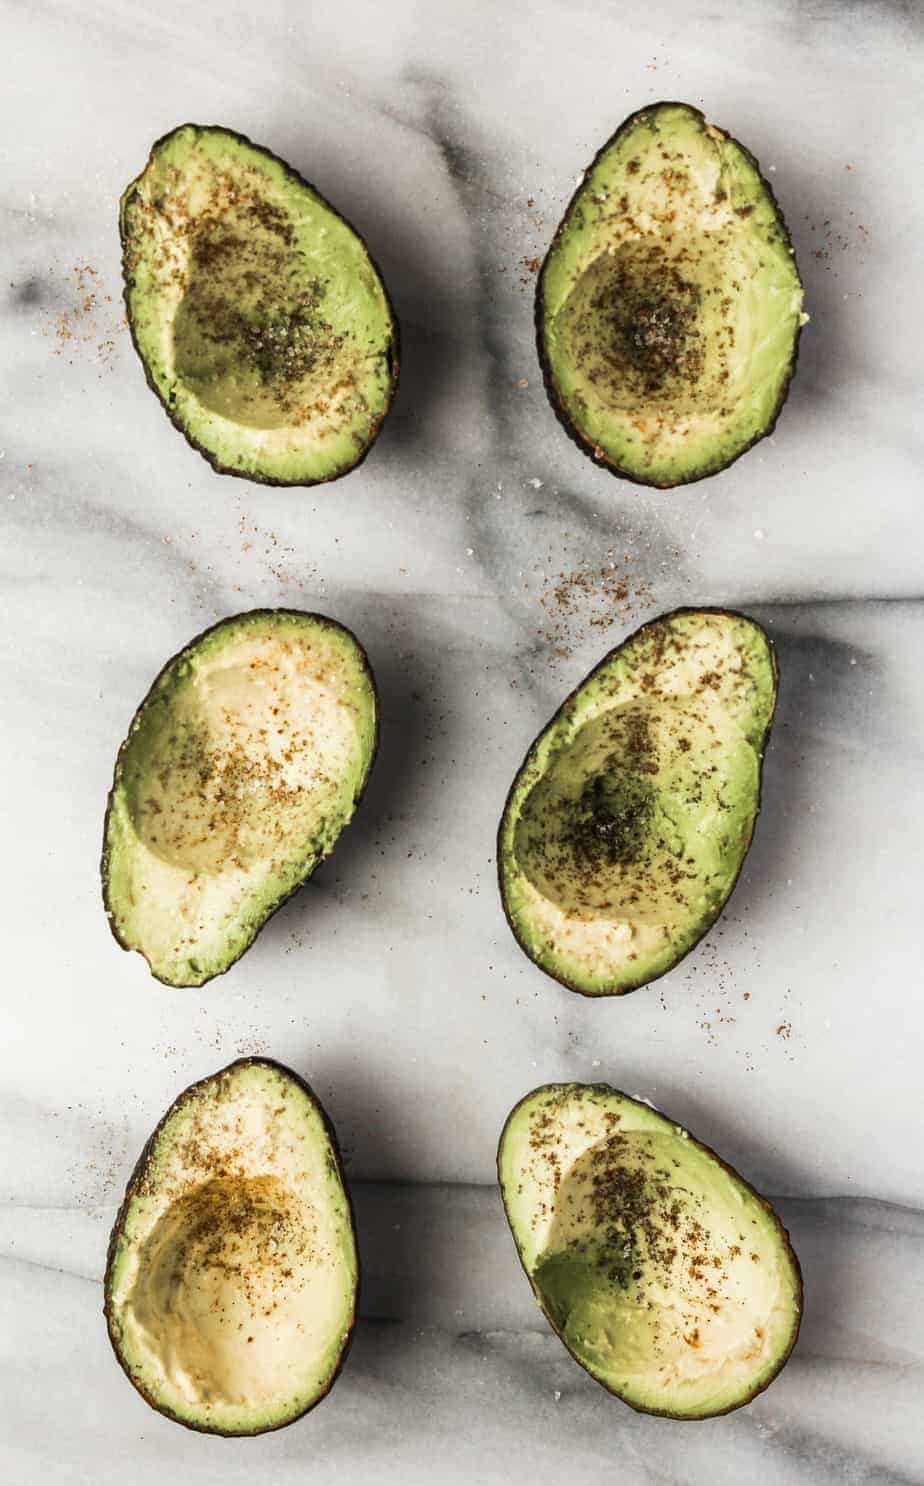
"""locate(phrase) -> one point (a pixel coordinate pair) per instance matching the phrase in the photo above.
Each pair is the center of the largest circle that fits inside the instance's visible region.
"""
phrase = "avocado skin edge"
(394, 358)
(782, 1234)
(115, 1235)
(708, 923)
(325, 622)
(593, 451)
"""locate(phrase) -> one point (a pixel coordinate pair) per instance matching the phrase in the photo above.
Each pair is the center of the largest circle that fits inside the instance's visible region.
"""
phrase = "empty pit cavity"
(250, 335)
(222, 1293)
(646, 1269)
(242, 768)
(585, 830)
(651, 325)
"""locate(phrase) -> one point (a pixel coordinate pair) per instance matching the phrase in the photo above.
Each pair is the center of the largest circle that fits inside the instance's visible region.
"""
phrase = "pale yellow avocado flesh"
(261, 320)
(241, 768)
(670, 303)
(232, 1275)
(626, 826)
(667, 1277)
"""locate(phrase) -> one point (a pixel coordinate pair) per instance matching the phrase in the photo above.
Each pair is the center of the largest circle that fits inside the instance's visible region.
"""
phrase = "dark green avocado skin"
(320, 619)
(707, 922)
(134, 1181)
(782, 1233)
(394, 359)
(548, 374)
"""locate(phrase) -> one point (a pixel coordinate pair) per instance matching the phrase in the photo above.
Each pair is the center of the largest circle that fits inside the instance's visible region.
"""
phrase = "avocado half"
(241, 767)
(261, 320)
(669, 305)
(232, 1274)
(667, 1277)
(628, 822)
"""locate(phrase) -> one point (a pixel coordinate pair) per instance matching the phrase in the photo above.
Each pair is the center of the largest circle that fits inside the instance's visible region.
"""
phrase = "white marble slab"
(453, 1375)
(452, 136)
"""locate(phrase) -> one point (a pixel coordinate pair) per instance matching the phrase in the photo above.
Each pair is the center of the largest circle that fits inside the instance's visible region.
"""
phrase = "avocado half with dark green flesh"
(241, 767)
(232, 1275)
(661, 1269)
(669, 305)
(260, 318)
(628, 822)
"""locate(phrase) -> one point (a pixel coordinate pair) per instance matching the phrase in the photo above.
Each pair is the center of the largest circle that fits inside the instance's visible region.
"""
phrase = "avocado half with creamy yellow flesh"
(669, 306)
(627, 824)
(661, 1269)
(262, 322)
(242, 765)
(231, 1282)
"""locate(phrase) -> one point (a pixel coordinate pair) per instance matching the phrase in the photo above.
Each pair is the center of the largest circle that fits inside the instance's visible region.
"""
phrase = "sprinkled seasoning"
(589, 598)
(231, 1281)
(668, 306)
(666, 1276)
(250, 315)
(241, 767)
(89, 325)
(627, 824)
(261, 320)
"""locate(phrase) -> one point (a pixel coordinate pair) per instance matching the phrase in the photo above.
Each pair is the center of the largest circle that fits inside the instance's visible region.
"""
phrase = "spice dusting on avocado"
(261, 320)
(665, 1275)
(212, 798)
(248, 298)
(649, 314)
(231, 1280)
(240, 769)
(249, 327)
(610, 822)
(669, 306)
(638, 333)
(622, 1211)
(222, 1223)
(244, 1231)
(627, 824)
(616, 839)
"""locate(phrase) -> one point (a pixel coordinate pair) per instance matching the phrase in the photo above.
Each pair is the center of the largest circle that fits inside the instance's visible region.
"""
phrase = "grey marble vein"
(453, 1361)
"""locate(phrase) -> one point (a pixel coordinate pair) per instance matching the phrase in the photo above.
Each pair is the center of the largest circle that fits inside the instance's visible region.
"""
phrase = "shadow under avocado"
(365, 1109)
(766, 1165)
(407, 707)
(399, 250)
(817, 673)
(824, 355)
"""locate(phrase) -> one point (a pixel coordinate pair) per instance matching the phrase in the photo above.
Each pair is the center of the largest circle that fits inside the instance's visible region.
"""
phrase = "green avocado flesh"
(261, 320)
(242, 765)
(626, 826)
(231, 1282)
(669, 305)
(664, 1273)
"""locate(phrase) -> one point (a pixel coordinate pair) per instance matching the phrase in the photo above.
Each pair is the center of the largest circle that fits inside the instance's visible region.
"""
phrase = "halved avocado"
(661, 1269)
(669, 305)
(627, 824)
(242, 765)
(232, 1274)
(262, 322)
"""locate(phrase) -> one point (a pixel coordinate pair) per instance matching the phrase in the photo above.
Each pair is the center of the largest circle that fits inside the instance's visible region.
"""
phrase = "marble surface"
(453, 136)
(453, 1376)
